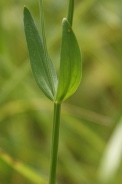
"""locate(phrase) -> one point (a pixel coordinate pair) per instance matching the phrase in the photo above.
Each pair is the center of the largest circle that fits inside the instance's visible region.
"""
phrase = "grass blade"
(111, 160)
(23, 169)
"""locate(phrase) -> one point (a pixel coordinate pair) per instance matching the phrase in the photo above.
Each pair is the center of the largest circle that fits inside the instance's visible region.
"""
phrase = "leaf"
(41, 64)
(70, 64)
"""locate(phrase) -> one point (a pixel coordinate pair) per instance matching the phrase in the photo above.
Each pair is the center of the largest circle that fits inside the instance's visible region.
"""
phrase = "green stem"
(55, 140)
(56, 118)
(70, 11)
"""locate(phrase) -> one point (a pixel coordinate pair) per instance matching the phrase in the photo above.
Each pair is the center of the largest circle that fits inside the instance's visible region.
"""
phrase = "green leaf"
(41, 64)
(70, 64)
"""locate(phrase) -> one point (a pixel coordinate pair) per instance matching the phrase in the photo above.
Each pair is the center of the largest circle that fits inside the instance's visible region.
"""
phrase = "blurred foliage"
(89, 118)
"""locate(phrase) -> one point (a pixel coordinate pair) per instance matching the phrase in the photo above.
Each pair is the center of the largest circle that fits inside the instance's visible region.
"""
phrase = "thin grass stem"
(55, 141)
(56, 118)
(70, 12)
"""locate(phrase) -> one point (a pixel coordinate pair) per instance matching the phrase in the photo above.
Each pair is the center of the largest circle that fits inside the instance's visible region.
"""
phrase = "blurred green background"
(91, 128)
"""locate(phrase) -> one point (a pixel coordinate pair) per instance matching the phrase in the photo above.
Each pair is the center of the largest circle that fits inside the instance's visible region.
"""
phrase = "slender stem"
(55, 140)
(70, 11)
(56, 118)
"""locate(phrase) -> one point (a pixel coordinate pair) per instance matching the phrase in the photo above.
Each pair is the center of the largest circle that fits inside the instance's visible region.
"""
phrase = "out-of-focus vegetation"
(91, 132)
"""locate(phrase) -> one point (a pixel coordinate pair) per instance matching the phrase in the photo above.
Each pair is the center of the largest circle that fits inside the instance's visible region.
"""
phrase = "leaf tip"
(64, 20)
(26, 10)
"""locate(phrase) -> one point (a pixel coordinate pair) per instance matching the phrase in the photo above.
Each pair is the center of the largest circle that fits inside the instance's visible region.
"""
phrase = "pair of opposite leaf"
(42, 67)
